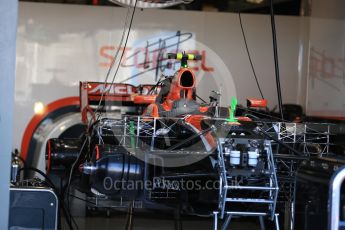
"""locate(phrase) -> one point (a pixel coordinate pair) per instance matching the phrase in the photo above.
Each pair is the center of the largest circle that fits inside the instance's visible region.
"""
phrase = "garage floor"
(141, 222)
(151, 219)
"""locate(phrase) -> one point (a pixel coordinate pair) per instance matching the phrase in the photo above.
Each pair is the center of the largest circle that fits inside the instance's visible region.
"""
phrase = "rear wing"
(119, 94)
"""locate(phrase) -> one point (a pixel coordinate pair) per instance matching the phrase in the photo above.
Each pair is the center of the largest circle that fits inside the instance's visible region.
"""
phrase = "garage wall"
(60, 45)
(326, 70)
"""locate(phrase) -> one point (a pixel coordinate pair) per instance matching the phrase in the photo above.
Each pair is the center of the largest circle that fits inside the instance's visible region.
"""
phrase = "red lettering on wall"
(140, 58)
(203, 63)
(104, 52)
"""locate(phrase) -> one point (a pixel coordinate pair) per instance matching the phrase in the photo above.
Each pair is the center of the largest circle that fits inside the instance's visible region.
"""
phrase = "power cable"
(123, 51)
(248, 54)
(106, 82)
(115, 56)
(275, 57)
(72, 169)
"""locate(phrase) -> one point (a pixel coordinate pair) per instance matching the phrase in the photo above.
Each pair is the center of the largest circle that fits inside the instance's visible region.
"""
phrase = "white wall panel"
(326, 69)
(60, 45)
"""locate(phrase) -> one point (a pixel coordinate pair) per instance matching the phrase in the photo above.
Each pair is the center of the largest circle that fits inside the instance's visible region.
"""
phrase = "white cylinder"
(235, 157)
(227, 151)
(252, 158)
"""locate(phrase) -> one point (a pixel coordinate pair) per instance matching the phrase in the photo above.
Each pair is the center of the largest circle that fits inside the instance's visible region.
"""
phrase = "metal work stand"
(268, 202)
(229, 215)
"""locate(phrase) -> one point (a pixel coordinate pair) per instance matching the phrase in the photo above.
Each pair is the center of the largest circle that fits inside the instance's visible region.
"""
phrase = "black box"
(33, 208)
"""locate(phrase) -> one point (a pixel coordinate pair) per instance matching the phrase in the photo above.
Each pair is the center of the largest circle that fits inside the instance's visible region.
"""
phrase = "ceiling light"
(150, 4)
(255, 1)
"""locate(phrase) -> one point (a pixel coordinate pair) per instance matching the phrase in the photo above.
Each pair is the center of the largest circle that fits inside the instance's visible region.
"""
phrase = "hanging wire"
(106, 82)
(247, 50)
(118, 51)
(275, 57)
(248, 54)
(123, 51)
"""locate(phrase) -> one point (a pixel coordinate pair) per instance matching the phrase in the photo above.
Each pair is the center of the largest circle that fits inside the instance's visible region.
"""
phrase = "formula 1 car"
(176, 153)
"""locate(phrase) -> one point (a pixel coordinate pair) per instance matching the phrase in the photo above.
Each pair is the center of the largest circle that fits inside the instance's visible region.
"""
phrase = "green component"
(132, 133)
(184, 63)
(232, 110)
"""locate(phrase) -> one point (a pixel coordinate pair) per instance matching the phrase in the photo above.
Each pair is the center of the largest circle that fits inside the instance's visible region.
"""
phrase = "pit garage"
(172, 114)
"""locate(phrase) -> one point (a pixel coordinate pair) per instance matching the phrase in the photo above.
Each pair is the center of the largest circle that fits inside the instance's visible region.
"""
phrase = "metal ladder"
(226, 188)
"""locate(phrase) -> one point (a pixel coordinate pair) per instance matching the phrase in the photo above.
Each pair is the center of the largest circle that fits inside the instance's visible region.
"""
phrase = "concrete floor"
(115, 222)
(153, 220)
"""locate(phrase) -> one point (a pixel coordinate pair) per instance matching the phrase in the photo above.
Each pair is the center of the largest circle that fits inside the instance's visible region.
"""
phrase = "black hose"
(275, 56)
(191, 138)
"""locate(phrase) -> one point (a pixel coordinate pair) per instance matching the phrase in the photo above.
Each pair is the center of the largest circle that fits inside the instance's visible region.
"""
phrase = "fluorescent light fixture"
(150, 4)
(255, 1)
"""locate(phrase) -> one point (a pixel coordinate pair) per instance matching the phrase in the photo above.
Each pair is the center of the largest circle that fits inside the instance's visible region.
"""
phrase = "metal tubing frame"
(289, 133)
(231, 214)
(223, 191)
(273, 180)
(224, 187)
(334, 199)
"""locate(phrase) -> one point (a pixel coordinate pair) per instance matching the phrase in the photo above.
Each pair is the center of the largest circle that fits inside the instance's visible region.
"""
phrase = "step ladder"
(262, 196)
